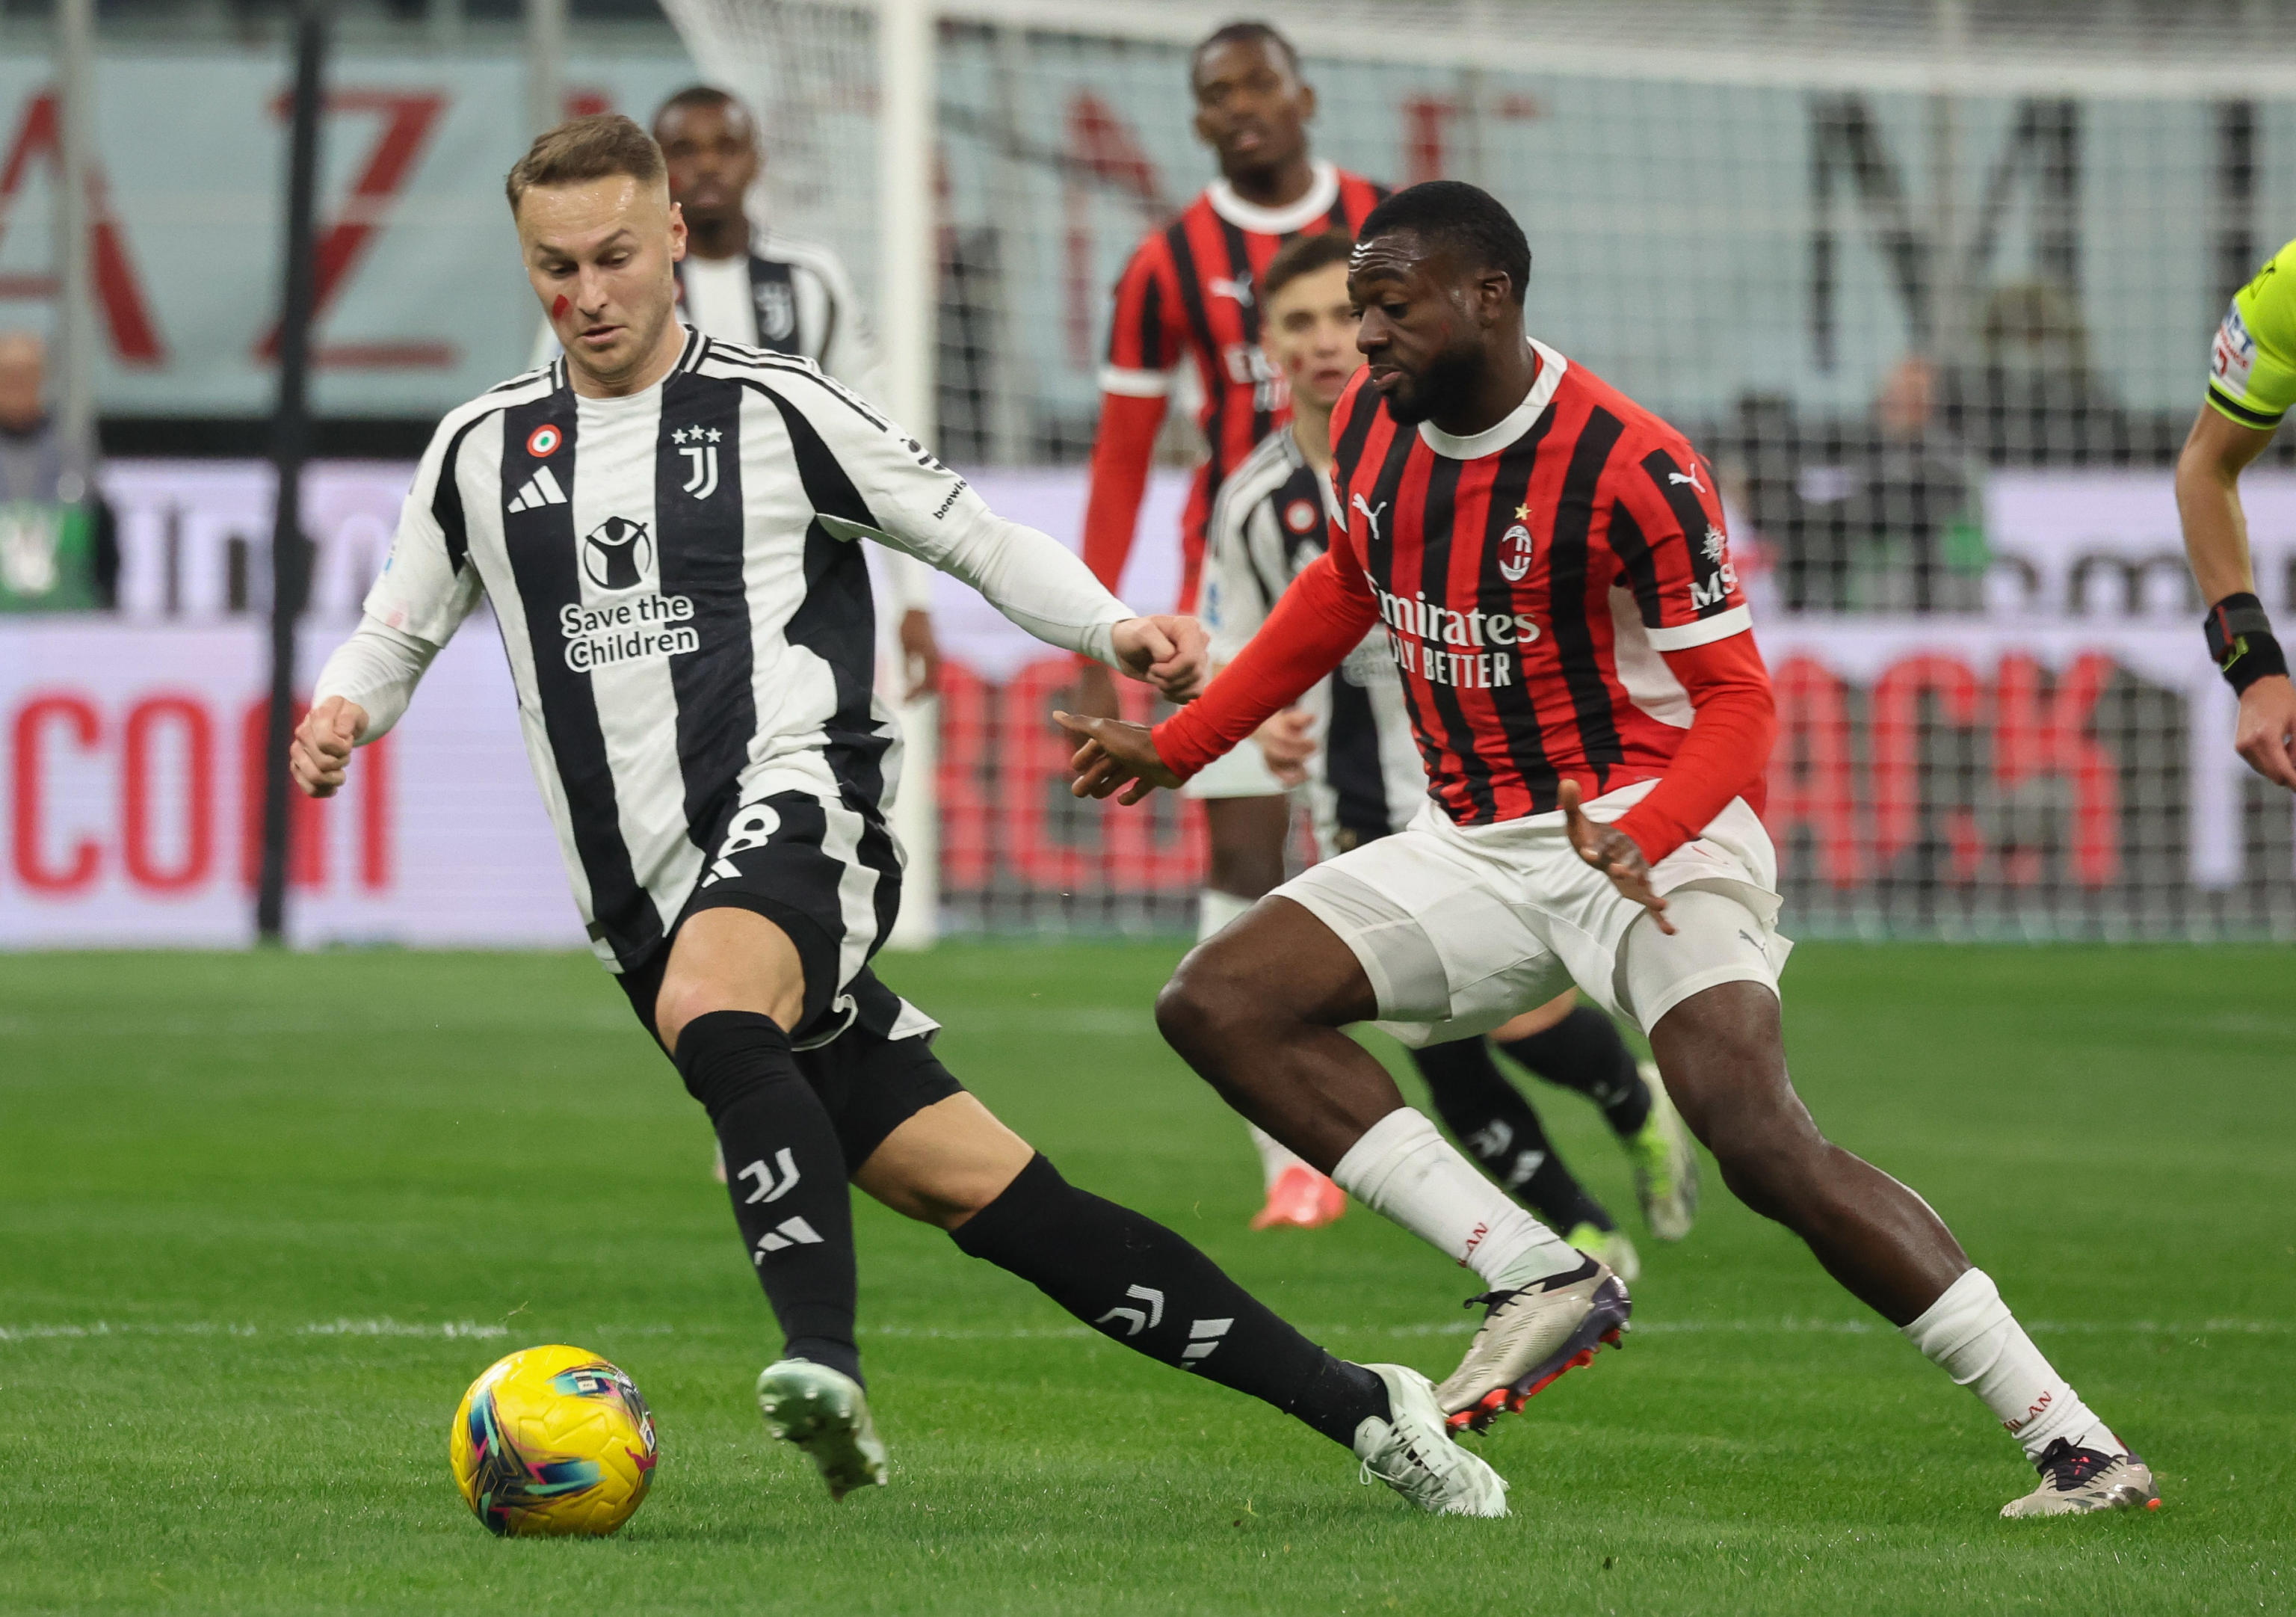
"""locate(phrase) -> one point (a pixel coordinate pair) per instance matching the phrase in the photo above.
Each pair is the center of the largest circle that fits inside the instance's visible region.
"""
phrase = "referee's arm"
(2252, 385)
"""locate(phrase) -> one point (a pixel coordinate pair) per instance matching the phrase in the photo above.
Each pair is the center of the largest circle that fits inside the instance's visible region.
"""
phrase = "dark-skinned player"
(1549, 562)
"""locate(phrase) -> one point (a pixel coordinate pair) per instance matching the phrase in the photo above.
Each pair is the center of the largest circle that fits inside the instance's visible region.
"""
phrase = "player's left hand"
(920, 653)
(1170, 652)
(1116, 752)
(1612, 851)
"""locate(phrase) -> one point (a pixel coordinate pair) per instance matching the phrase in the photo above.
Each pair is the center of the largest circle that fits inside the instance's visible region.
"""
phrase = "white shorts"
(1240, 772)
(1462, 929)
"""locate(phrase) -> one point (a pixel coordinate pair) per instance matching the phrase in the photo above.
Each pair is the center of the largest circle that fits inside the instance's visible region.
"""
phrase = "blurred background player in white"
(668, 528)
(1187, 296)
(1350, 743)
(2252, 384)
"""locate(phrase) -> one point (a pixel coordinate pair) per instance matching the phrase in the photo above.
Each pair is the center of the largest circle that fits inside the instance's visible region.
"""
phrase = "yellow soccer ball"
(551, 1441)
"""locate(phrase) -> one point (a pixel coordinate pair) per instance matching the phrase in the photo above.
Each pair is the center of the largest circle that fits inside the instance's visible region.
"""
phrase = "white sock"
(1970, 1334)
(1214, 910)
(1402, 1169)
(1274, 1155)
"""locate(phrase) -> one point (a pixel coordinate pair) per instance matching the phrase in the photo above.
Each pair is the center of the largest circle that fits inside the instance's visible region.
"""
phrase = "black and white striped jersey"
(688, 619)
(1366, 778)
(787, 295)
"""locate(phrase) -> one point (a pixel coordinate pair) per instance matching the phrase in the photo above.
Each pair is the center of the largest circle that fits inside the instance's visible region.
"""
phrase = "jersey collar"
(1322, 191)
(1510, 426)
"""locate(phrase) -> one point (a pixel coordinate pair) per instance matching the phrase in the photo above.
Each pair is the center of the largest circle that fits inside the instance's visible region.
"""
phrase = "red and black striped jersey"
(1189, 293)
(1529, 579)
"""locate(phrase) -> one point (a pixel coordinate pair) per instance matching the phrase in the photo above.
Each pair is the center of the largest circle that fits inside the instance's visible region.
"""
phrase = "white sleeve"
(427, 585)
(1236, 601)
(868, 479)
(377, 667)
(848, 350)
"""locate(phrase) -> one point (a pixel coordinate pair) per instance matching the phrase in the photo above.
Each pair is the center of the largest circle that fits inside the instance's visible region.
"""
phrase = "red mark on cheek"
(557, 309)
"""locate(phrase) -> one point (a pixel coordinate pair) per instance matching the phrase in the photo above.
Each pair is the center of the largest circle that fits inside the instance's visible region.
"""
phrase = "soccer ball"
(551, 1441)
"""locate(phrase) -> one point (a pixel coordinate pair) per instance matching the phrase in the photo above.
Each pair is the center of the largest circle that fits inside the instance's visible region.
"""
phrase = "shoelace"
(2066, 1468)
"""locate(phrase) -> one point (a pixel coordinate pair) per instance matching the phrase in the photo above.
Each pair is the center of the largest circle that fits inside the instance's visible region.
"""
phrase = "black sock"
(1490, 1117)
(1583, 1052)
(1131, 1278)
(787, 1173)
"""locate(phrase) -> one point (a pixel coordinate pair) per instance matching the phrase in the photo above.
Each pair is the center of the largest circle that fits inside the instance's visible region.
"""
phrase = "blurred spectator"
(57, 548)
(2033, 397)
(1863, 515)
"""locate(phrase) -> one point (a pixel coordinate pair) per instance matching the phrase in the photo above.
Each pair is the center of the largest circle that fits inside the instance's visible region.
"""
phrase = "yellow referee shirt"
(2252, 365)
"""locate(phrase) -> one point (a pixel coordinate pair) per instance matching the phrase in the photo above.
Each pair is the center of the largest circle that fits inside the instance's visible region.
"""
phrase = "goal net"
(1933, 286)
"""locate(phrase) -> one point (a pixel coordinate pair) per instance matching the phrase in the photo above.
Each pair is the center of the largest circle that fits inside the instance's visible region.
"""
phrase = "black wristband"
(2241, 642)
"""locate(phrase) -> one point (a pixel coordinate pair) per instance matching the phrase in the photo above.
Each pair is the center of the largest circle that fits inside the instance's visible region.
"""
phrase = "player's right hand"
(2266, 735)
(1115, 753)
(1284, 743)
(320, 755)
(1613, 852)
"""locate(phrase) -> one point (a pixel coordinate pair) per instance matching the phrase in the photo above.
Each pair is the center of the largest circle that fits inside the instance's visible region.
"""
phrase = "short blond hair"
(585, 149)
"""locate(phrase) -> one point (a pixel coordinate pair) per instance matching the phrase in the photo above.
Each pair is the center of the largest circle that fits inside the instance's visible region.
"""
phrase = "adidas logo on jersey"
(541, 489)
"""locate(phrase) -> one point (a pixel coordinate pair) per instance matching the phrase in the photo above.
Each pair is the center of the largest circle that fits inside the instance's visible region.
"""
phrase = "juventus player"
(1187, 296)
(1350, 742)
(1548, 562)
(666, 526)
(754, 284)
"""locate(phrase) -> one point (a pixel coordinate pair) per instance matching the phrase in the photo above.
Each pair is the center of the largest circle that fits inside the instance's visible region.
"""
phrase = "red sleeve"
(1726, 754)
(1323, 616)
(1144, 345)
(1120, 458)
(1667, 531)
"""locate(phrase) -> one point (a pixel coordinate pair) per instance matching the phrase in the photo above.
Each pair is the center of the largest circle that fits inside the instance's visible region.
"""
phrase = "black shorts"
(823, 869)
(870, 1081)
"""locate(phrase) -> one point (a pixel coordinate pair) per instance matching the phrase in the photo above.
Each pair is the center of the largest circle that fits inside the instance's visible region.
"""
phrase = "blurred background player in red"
(1349, 743)
(1187, 294)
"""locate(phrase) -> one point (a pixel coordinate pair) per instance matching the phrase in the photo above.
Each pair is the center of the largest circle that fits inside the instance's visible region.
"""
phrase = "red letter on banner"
(967, 830)
(1810, 780)
(30, 777)
(307, 825)
(198, 793)
(1897, 755)
(2034, 738)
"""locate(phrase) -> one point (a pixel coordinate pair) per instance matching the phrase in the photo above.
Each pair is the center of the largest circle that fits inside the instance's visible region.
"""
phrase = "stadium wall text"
(2058, 767)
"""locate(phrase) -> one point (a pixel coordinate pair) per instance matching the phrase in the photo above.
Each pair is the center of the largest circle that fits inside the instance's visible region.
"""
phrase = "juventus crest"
(699, 444)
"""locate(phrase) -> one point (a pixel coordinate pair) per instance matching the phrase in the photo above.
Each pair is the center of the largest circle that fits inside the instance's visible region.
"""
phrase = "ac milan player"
(1187, 295)
(1549, 562)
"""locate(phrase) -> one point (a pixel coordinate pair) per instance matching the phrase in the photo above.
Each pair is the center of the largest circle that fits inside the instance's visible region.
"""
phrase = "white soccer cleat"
(1665, 1163)
(1412, 1452)
(1532, 1333)
(2075, 1482)
(825, 1413)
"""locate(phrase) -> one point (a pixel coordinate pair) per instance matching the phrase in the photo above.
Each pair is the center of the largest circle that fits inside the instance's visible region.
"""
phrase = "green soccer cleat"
(1665, 1165)
(825, 1413)
(1608, 1246)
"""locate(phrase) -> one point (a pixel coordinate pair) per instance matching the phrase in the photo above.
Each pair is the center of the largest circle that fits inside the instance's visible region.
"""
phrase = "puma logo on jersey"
(1370, 517)
(1221, 287)
(1690, 477)
(541, 489)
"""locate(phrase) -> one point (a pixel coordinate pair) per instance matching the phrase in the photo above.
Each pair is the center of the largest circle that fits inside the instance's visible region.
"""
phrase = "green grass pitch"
(262, 1219)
